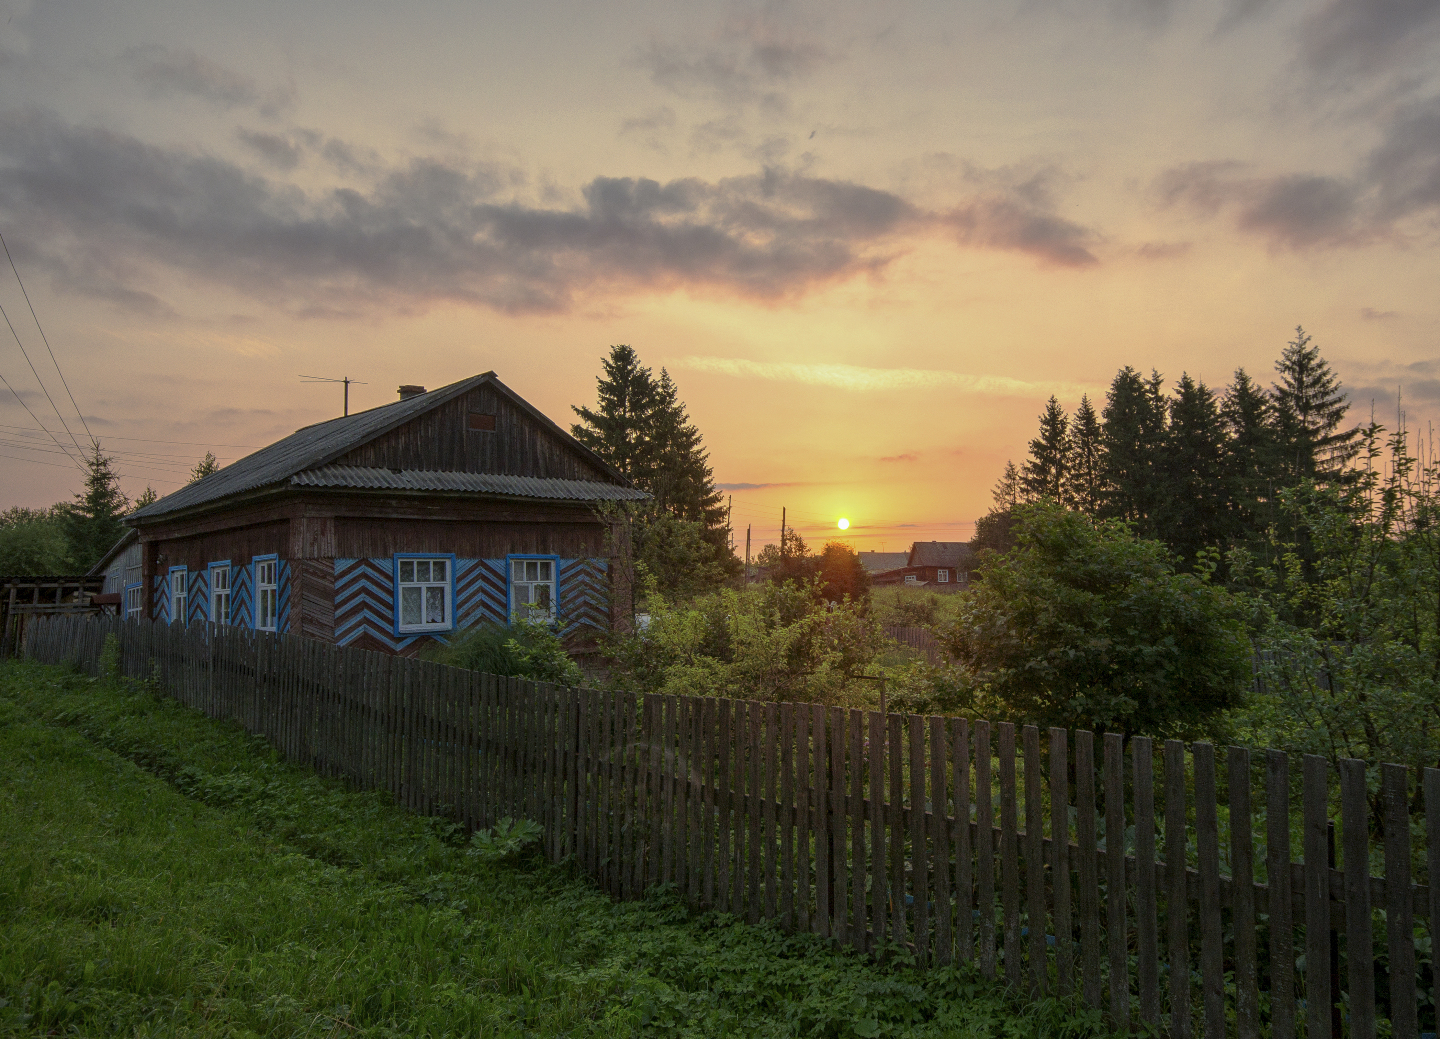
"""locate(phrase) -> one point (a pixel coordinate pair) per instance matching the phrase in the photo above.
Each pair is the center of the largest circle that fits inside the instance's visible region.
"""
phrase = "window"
(911, 579)
(220, 593)
(423, 598)
(478, 423)
(943, 576)
(267, 593)
(178, 598)
(532, 589)
(134, 601)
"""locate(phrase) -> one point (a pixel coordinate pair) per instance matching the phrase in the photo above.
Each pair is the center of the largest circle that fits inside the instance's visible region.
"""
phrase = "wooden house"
(393, 527)
(938, 565)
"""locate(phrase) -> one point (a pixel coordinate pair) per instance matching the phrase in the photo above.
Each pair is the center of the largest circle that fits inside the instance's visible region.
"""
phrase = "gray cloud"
(1371, 314)
(1398, 181)
(277, 150)
(1346, 37)
(748, 60)
(652, 130)
(166, 72)
(108, 204)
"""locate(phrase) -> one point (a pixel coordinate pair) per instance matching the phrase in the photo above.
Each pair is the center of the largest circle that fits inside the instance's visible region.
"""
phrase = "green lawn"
(163, 874)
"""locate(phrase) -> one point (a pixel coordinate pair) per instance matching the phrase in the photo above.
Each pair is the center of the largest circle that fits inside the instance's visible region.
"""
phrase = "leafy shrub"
(524, 649)
(509, 837)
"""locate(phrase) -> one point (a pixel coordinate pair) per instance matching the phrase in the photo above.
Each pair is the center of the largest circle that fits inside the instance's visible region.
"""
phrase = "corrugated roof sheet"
(940, 553)
(368, 478)
(324, 442)
(882, 562)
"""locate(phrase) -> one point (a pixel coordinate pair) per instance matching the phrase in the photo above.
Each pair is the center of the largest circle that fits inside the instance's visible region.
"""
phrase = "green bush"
(523, 649)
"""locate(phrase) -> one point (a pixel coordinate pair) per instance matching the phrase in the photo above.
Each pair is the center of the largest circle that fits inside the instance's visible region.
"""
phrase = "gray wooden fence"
(1158, 882)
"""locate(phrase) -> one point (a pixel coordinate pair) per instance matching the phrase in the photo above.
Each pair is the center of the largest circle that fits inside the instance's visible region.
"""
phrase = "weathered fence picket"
(879, 830)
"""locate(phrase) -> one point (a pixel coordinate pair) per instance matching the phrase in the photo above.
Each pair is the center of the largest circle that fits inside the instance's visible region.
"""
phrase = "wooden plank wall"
(1125, 875)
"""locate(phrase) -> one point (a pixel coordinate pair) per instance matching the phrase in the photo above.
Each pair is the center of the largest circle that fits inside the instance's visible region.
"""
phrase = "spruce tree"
(1133, 449)
(1251, 452)
(1082, 477)
(1043, 475)
(1194, 511)
(1309, 408)
(680, 475)
(1007, 489)
(618, 428)
(92, 521)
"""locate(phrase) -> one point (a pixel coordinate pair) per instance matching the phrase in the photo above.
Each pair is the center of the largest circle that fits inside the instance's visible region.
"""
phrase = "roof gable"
(346, 438)
(940, 553)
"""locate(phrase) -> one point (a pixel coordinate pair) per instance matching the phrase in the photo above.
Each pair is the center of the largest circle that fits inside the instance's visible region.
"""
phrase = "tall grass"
(162, 874)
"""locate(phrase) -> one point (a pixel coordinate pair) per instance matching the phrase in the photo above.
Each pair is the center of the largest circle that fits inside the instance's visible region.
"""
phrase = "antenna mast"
(347, 382)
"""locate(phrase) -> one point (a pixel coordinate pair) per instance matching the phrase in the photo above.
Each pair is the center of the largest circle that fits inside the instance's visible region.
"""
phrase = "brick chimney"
(406, 392)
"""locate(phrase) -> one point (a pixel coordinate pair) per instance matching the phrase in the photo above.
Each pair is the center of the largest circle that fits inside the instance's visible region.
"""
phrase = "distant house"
(388, 529)
(938, 565)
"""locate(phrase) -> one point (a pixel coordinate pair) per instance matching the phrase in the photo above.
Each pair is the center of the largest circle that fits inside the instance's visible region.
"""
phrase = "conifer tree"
(1043, 475)
(1007, 488)
(1194, 511)
(1309, 408)
(92, 521)
(680, 476)
(618, 428)
(1132, 438)
(1251, 451)
(1082, 477)
(147, 496)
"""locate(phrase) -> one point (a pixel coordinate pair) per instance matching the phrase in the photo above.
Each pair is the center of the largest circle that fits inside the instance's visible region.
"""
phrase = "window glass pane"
(545, 570)
(435, 605)
(522, 594)
(410, 606)
(517, 570)
(407, 570)
(437, 569)
(532, 570)
(542, 596)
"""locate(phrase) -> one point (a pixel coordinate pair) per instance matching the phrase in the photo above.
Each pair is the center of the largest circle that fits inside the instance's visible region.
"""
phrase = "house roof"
(940, 553)
(882, 562)
(318, 445)
(126, 540)
(361, 477)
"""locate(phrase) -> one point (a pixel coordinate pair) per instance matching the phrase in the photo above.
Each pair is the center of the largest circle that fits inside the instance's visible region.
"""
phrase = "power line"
(79, 414)
(32, 414)
(25, 353)
(151, 455)
(57, 465)
(147, 440)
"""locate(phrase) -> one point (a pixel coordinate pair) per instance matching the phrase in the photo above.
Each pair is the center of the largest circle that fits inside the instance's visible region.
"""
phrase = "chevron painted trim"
(583, 595)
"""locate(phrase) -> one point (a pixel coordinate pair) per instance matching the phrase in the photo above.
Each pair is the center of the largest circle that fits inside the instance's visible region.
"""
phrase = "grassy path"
(162, 874)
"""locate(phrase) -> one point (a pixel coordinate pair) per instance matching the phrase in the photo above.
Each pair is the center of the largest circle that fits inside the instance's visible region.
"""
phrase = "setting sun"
(844, 523)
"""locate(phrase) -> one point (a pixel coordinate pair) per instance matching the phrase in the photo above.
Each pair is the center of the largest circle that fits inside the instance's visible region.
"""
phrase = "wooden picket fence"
(1128, 881)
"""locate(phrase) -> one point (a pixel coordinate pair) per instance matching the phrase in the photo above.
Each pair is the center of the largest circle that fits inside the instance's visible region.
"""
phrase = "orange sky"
(867, 241)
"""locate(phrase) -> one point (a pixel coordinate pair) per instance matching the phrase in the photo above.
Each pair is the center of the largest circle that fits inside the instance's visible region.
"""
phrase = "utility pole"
(730, 531)
(782, 533)
(346, 382)
(747, 553)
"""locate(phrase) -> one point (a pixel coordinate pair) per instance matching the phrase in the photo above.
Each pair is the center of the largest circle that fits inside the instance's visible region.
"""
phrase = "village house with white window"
(938, 565)
(387, 529)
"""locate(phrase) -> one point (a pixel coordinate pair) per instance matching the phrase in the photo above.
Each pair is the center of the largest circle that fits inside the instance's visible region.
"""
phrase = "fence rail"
(956, 839)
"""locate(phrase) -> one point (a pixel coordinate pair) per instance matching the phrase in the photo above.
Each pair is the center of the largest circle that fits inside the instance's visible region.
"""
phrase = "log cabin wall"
(451, 438)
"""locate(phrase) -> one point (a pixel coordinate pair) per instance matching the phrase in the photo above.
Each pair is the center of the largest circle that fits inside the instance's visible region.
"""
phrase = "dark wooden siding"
(440, 441)
(315, 579)
(238, 544)
(368, 539)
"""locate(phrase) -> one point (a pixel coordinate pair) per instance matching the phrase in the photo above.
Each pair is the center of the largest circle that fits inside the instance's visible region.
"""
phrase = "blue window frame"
(134, 601)
(267, 591)
(533, 586)
(424, 592)
(219, 583)
(179, 588)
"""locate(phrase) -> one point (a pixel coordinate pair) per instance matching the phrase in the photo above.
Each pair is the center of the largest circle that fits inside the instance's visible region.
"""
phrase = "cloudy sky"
(867, 240)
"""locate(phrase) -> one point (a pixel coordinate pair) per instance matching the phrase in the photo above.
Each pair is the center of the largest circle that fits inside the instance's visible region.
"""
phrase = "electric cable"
(24, 353)
(32, 414)
(78, 413)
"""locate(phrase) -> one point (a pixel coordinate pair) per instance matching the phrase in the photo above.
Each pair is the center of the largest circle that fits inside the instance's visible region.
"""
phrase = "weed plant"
(162, 874)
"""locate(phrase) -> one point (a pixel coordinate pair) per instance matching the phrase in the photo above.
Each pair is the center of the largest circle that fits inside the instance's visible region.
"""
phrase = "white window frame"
(416, 571)
(267, 593)
(942, 576)
(134, 601)
(218, 616)
(523, 575)
(183, 573)
(912, 579)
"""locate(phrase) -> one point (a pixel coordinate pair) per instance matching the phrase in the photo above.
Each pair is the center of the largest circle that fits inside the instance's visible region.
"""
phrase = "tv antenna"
(347, 382)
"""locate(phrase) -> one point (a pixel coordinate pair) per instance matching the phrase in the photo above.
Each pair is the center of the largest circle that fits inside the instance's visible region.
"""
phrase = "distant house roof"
(126, 540)
(940, 553)
(317, 446)
(882, 562)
